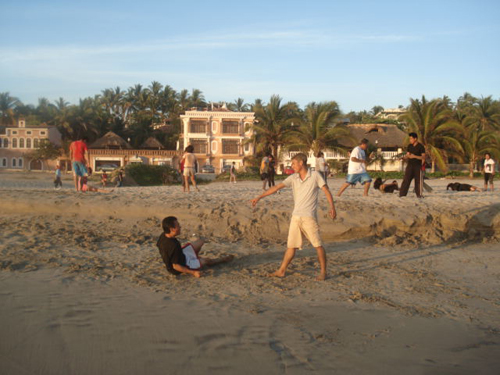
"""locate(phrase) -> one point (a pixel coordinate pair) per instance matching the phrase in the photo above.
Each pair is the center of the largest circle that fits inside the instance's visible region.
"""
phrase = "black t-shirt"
(171, 253)
(418, 150)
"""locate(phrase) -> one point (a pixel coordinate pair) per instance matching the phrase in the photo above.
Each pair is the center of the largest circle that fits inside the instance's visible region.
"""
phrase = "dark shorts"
(488, 177)
(264, 176)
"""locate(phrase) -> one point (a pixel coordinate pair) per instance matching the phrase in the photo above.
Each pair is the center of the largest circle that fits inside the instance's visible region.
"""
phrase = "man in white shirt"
(305, 185)
(356, 171)
(489, 171)
(321, 165)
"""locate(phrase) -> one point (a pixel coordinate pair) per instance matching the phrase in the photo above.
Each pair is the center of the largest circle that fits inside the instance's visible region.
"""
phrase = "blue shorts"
(79, 169)
(362, 178)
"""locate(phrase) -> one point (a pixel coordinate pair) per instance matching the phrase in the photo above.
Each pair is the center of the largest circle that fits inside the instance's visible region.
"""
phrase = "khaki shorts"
(188, 171)
(300, 227)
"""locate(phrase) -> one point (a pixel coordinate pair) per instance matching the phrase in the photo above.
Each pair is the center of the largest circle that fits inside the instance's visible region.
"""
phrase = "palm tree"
(436, 129)
(196, 99)
(272, 124)
(317, 130)
(7, 106)
(238, 105)
(486, 113)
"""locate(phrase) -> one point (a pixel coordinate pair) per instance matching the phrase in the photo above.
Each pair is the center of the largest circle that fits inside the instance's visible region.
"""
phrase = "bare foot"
(277, 274)
(321, 277)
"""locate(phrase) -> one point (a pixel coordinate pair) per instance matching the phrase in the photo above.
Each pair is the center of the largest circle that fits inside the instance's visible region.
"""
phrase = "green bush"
(152, 175)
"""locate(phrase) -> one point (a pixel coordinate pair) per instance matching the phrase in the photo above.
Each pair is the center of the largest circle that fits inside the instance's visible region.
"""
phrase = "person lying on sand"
(457, 186)
(385, 188)
(305, 185)
(86, 187)
(185, 259)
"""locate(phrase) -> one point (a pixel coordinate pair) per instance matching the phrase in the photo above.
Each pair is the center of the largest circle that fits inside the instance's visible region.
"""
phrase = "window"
(21, 142)
(35, 142)
(200, 146)
(42, 133)
(230, 146)
(247, 147)
(230, 127)
(13, 162)
(14, 142)
(28, 142)
(14, 131)
(20, 163)
(28, 132)
(196, 126)
(6, 142)
(1, 142)
(4, 162)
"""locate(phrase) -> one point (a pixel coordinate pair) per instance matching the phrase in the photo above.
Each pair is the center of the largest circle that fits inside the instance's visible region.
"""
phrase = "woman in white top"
(489, 171)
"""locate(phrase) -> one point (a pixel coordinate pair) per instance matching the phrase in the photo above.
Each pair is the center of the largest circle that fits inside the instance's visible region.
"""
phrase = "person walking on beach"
(272, 170)
(232, 173)
(189, 168)
(79, 156)
(184, 259)
(119, 178)
(321, 165)
(356, 171)
(415, 156)
(264, 171)
(57, 178)
(489, 171)
(305, 185)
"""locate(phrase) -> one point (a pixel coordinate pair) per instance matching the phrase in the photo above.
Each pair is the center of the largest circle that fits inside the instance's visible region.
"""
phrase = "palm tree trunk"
(471, 169)
(433, 166)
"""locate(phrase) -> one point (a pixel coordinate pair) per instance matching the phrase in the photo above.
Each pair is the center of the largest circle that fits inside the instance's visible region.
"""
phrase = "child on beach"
(178, 259)
(86, 187)
(104, 179)
(57, 178)
(305, 185)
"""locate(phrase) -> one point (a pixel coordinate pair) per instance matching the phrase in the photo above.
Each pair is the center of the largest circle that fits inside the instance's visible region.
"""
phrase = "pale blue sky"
(359, 53)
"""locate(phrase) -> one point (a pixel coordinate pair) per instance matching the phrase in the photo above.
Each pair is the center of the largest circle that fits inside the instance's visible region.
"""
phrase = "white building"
(218, 136)
(16, 142)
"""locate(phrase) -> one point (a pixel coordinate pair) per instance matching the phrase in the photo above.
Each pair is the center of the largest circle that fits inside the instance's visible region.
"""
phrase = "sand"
(413, 287)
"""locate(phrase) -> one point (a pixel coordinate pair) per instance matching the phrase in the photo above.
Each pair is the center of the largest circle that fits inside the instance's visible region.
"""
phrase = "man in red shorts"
(79, 155)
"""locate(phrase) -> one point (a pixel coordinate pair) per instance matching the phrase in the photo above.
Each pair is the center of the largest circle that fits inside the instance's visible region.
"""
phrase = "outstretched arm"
(329, 198)
(270, 191)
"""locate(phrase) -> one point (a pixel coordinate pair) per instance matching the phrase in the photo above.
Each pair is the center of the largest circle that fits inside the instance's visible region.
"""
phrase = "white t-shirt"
(305, 193)
(355, 167)
(320, 164)
(489, 166)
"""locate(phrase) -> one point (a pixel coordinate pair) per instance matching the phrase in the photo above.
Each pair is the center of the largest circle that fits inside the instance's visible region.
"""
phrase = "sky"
(358, 53)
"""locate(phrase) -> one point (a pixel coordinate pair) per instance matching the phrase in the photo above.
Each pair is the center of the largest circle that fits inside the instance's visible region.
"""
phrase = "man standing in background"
(415, 156)
(79, 155)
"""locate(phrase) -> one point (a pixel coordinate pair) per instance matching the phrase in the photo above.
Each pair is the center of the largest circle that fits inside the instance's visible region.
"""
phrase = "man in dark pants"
(415, 156)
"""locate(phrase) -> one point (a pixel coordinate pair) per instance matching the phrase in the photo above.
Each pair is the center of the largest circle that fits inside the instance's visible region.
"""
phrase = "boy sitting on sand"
(185, 259)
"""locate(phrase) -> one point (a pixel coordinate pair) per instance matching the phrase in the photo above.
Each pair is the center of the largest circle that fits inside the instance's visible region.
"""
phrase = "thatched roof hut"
(111, 140)
(382, 135)
(152, 144)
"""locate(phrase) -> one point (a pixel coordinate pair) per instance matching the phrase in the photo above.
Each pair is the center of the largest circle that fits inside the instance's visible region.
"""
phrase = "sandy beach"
(413, 286)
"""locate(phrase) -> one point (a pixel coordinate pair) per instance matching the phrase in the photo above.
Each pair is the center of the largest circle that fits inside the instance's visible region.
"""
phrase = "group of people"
(305, 185)
(79, 156)
(415, 157)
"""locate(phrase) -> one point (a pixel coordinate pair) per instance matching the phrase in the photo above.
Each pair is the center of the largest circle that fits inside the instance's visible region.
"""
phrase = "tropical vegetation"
(451, 132)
